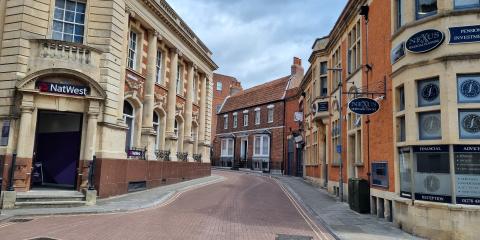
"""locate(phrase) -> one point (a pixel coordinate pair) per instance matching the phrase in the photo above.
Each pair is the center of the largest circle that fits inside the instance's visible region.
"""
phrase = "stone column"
(170, 137)
(202, 118)
(188, 141)
(90, 139)
(148, 133)
(26, 133)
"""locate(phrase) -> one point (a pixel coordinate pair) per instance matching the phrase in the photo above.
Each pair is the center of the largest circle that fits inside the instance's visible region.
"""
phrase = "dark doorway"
(299, 162)
(57, 149)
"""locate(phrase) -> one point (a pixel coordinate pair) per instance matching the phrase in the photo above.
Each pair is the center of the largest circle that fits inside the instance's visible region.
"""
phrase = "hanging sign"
(322, 106)
(465, 34)
(363, 106)
(425, 41)
(63, 88)
(467, 174)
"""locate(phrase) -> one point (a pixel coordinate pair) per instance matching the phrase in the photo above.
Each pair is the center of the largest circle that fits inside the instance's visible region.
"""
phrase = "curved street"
(244, 206)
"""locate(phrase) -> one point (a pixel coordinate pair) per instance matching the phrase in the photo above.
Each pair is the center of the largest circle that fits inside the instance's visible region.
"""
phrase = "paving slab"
(338, 217)
(123, 203)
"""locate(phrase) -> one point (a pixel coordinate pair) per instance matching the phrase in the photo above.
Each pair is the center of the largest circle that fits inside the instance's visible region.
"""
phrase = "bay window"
(425, 8)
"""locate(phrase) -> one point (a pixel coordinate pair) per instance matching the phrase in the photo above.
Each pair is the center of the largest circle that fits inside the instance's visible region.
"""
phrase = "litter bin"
(359, 195)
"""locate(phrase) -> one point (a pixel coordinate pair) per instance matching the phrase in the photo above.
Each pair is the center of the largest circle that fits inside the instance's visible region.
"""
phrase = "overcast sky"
(255, 40)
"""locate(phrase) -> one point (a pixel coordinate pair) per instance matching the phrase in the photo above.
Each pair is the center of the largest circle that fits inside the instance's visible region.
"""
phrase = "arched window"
(129, 117)
(156, 127)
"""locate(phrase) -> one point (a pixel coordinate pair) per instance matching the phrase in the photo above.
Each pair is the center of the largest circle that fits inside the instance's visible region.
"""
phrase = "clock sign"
(430, 92)
(471, 123)
(431, 124)
(470, 88)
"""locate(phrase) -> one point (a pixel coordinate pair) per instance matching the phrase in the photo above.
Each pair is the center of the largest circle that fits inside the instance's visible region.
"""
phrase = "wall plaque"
(465, 34)
(425, 41)
(467, 174)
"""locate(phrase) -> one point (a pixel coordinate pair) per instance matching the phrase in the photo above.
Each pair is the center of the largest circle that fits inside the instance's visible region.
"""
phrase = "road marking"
(320, 232)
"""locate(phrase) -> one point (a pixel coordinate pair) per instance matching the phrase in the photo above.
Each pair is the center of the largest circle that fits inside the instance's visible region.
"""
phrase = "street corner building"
(252, 125)
(113, 95)
(416, 160)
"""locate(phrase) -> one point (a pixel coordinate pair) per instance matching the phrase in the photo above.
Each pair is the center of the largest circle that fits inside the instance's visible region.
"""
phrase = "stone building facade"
(125, 82)
(419, 152)
(251, 125)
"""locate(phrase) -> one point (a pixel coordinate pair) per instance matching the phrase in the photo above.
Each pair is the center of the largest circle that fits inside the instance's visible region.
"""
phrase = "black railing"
(182, 156)
(163, 155)
(197, 157)
(12, 173)
(137, 153)
(91, 174)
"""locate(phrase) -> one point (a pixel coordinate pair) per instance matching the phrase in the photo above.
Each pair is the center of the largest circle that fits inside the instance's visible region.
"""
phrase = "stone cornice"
(171, 19)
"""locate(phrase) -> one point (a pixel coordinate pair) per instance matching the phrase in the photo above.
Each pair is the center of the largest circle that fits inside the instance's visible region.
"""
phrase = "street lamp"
(339, 146)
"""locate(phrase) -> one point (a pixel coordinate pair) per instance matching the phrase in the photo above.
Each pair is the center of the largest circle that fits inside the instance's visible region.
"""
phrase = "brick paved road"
(242, 207)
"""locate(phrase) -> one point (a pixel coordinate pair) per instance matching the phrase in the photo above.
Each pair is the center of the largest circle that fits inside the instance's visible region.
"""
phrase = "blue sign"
(339, 148)
(397, 53)
(425, 41)
(466, 34)
(363, 106)
(380, 174)
(63, 88)
(322, 107)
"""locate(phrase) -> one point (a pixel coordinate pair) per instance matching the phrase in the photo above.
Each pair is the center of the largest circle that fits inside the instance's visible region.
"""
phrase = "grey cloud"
(255, 40)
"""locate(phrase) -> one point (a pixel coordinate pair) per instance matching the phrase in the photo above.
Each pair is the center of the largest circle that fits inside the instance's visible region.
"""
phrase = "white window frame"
(156, 127)
(219, 86)
(261, 139)
(257, 116)
(63, 21)
(132, 50)
(225, 121)
(245, 118)
(179, 80)
(270, 113)
(235, 120)
(354, 55)
(226, 147)
(158, 66)
(131, 128)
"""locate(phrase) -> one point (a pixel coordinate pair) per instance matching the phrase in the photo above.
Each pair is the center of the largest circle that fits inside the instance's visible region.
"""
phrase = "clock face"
(431, 183)
(470, 88)
(431, 124)
(430, 92)
(471, 123)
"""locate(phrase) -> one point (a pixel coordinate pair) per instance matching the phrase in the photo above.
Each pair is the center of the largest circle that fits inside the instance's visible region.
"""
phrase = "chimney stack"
(297, 72)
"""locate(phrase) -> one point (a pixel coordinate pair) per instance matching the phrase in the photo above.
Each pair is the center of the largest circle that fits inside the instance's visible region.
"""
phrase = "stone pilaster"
(123, 65)
(171, 138)
(26, 131)
(90, 139)
(202, 118)
(148, 133)
(188, 141)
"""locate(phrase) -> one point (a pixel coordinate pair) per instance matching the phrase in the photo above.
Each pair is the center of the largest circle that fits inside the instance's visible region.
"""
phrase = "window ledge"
(359, 164)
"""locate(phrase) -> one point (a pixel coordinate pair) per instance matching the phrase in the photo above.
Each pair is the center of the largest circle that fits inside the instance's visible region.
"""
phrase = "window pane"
(469, 121)
(265, 145)
(468, 87)
(426, 8)
(60, 3)
(68, 37)
(430, 125)
(58, 14)
(78, 30)
(70, 5)
(257, 145)
(69, 16)
(80, 7)
(428, 92)
(432, 176)
(68, 28)
(57, 35)
(80, 18)
(78, 39)
(57, 26)
(467, 3)
(405, 173)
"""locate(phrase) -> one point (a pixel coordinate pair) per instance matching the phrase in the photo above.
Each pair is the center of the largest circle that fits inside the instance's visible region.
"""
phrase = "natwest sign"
(63, 88)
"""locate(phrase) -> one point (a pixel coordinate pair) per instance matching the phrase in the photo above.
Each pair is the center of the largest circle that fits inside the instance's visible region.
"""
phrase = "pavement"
(337, 216)
(242, 206)
(123, 203)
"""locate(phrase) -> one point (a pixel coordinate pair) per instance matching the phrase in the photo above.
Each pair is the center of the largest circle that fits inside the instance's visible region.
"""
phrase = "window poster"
(467, 174)
(432, 173)
(405, 173)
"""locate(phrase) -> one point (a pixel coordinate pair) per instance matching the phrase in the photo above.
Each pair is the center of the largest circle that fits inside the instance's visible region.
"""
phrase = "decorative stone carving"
(160, 100)
(134, 85)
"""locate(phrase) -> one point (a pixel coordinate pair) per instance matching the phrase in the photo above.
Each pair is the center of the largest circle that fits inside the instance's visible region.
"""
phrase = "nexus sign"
(63, 88)
(364, 106)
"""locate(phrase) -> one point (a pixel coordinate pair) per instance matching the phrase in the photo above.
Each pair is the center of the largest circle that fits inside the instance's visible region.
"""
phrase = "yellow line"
(304, 215)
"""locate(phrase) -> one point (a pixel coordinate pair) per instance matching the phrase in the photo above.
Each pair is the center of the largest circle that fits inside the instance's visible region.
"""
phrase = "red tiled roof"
(268, 92)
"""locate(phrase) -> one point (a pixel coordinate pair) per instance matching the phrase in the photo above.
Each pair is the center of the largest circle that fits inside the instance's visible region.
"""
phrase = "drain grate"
(292, 237)
(20, 220)
(42, 238)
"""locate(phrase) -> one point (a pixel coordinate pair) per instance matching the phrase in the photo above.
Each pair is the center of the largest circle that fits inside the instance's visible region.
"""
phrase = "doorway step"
(49, 198)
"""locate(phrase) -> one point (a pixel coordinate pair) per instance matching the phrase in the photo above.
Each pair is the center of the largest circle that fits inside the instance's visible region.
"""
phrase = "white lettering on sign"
(63, 88)
(430, 149)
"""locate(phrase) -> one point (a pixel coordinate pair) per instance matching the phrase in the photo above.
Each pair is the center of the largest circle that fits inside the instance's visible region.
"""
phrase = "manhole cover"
(20, 220)
(292, 237)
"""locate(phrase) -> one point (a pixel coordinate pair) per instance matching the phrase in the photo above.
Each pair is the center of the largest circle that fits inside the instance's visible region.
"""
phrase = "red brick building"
(252, 125)
(223, 86)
